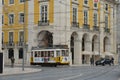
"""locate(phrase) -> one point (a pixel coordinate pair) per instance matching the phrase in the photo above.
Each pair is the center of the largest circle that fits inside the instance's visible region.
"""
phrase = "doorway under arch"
(10, 53)
(74, 37)
(106, 43)
(85, 48)
(45, 39)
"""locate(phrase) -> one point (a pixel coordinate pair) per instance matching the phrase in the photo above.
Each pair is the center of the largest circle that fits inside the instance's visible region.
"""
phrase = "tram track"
(96, 74)
(90, 75)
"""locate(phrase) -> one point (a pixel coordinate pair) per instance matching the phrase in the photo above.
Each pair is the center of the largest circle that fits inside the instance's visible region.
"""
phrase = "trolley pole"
(24, 35)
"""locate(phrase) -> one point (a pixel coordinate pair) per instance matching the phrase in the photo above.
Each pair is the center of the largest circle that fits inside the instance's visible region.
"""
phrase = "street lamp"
(24, 35)
(24, 30)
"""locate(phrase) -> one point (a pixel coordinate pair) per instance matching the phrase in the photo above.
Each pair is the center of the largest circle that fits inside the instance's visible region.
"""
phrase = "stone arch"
(85, 41)
(73, 44)
(106, 44)
(45, 38)
(95, 43)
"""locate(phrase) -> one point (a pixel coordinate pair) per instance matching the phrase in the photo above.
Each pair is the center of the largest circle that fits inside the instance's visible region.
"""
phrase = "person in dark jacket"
(112, 60)
(92, 61)
(12, 61)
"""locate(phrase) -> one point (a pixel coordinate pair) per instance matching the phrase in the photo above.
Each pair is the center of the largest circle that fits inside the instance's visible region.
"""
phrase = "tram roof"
(42, 48)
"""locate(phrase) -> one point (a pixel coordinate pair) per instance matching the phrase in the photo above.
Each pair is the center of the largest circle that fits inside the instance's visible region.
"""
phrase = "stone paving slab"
(18, 70)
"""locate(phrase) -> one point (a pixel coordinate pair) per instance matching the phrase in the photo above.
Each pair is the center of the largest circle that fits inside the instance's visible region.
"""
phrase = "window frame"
(86, 18)
(21, 1)
(11, 1)
(86, 2)
(11, 21)
(44, 13)
(75, 15)
(95, 19)
(106, 21)
(21, 18)
(11, 39)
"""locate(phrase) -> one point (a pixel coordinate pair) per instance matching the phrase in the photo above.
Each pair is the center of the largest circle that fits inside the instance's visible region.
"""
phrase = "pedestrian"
(112, 61)
(92, 61)
(12, 61)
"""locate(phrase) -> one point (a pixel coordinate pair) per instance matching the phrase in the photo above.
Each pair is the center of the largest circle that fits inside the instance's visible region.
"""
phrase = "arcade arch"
(45, 39)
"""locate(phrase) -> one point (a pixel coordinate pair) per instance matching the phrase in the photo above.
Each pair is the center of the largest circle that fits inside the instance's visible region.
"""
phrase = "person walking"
(112, 61)
(12, 61)
(92, 61)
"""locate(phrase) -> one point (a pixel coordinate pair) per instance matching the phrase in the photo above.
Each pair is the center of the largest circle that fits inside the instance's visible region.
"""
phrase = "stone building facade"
(86, 27)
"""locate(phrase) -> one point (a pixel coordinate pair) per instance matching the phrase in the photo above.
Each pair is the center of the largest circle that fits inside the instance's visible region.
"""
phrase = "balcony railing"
(9, 44)
(43, 1)
(43, 23)
(95, 28)
(75, 24)
(3, 45)
(86, 26)
(107, 30)
(20, 43)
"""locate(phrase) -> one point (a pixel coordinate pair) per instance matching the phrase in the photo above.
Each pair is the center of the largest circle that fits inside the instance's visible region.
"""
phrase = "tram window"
(58, 53)
(32, 53)
(35, 53)
(67, 54)
(48, 53)
(39, 54)
(51, 54)
(42, 54)
(63, 52)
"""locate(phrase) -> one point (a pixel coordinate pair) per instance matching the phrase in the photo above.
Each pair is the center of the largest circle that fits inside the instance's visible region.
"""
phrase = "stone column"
(102, 25)
(77, 52)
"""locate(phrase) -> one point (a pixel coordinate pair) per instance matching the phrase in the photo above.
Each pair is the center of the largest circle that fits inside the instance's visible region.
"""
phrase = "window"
(95, 19)
(11, 1)
(106, 21)
(2, 19)
(11, 18)
(20, 53)
(95, 4)
(21, 18)
(10, 36)
(22, 1)
(86, 2)
(2, 2)
(44, 13)
(74, 14)
(106, 7)
(21, 36)
(85, 17)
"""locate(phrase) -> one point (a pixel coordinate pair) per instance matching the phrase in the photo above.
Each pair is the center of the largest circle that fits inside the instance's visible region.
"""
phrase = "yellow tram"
(50, 56)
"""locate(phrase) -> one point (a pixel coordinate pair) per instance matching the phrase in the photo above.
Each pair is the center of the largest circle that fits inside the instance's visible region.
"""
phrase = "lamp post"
(24, 36)
(24, 29)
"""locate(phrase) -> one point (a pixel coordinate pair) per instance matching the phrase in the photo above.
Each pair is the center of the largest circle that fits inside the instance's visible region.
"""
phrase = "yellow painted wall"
(15, 8)
(90, 13)
(51, 11)
(80, 13)
(37, 11)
